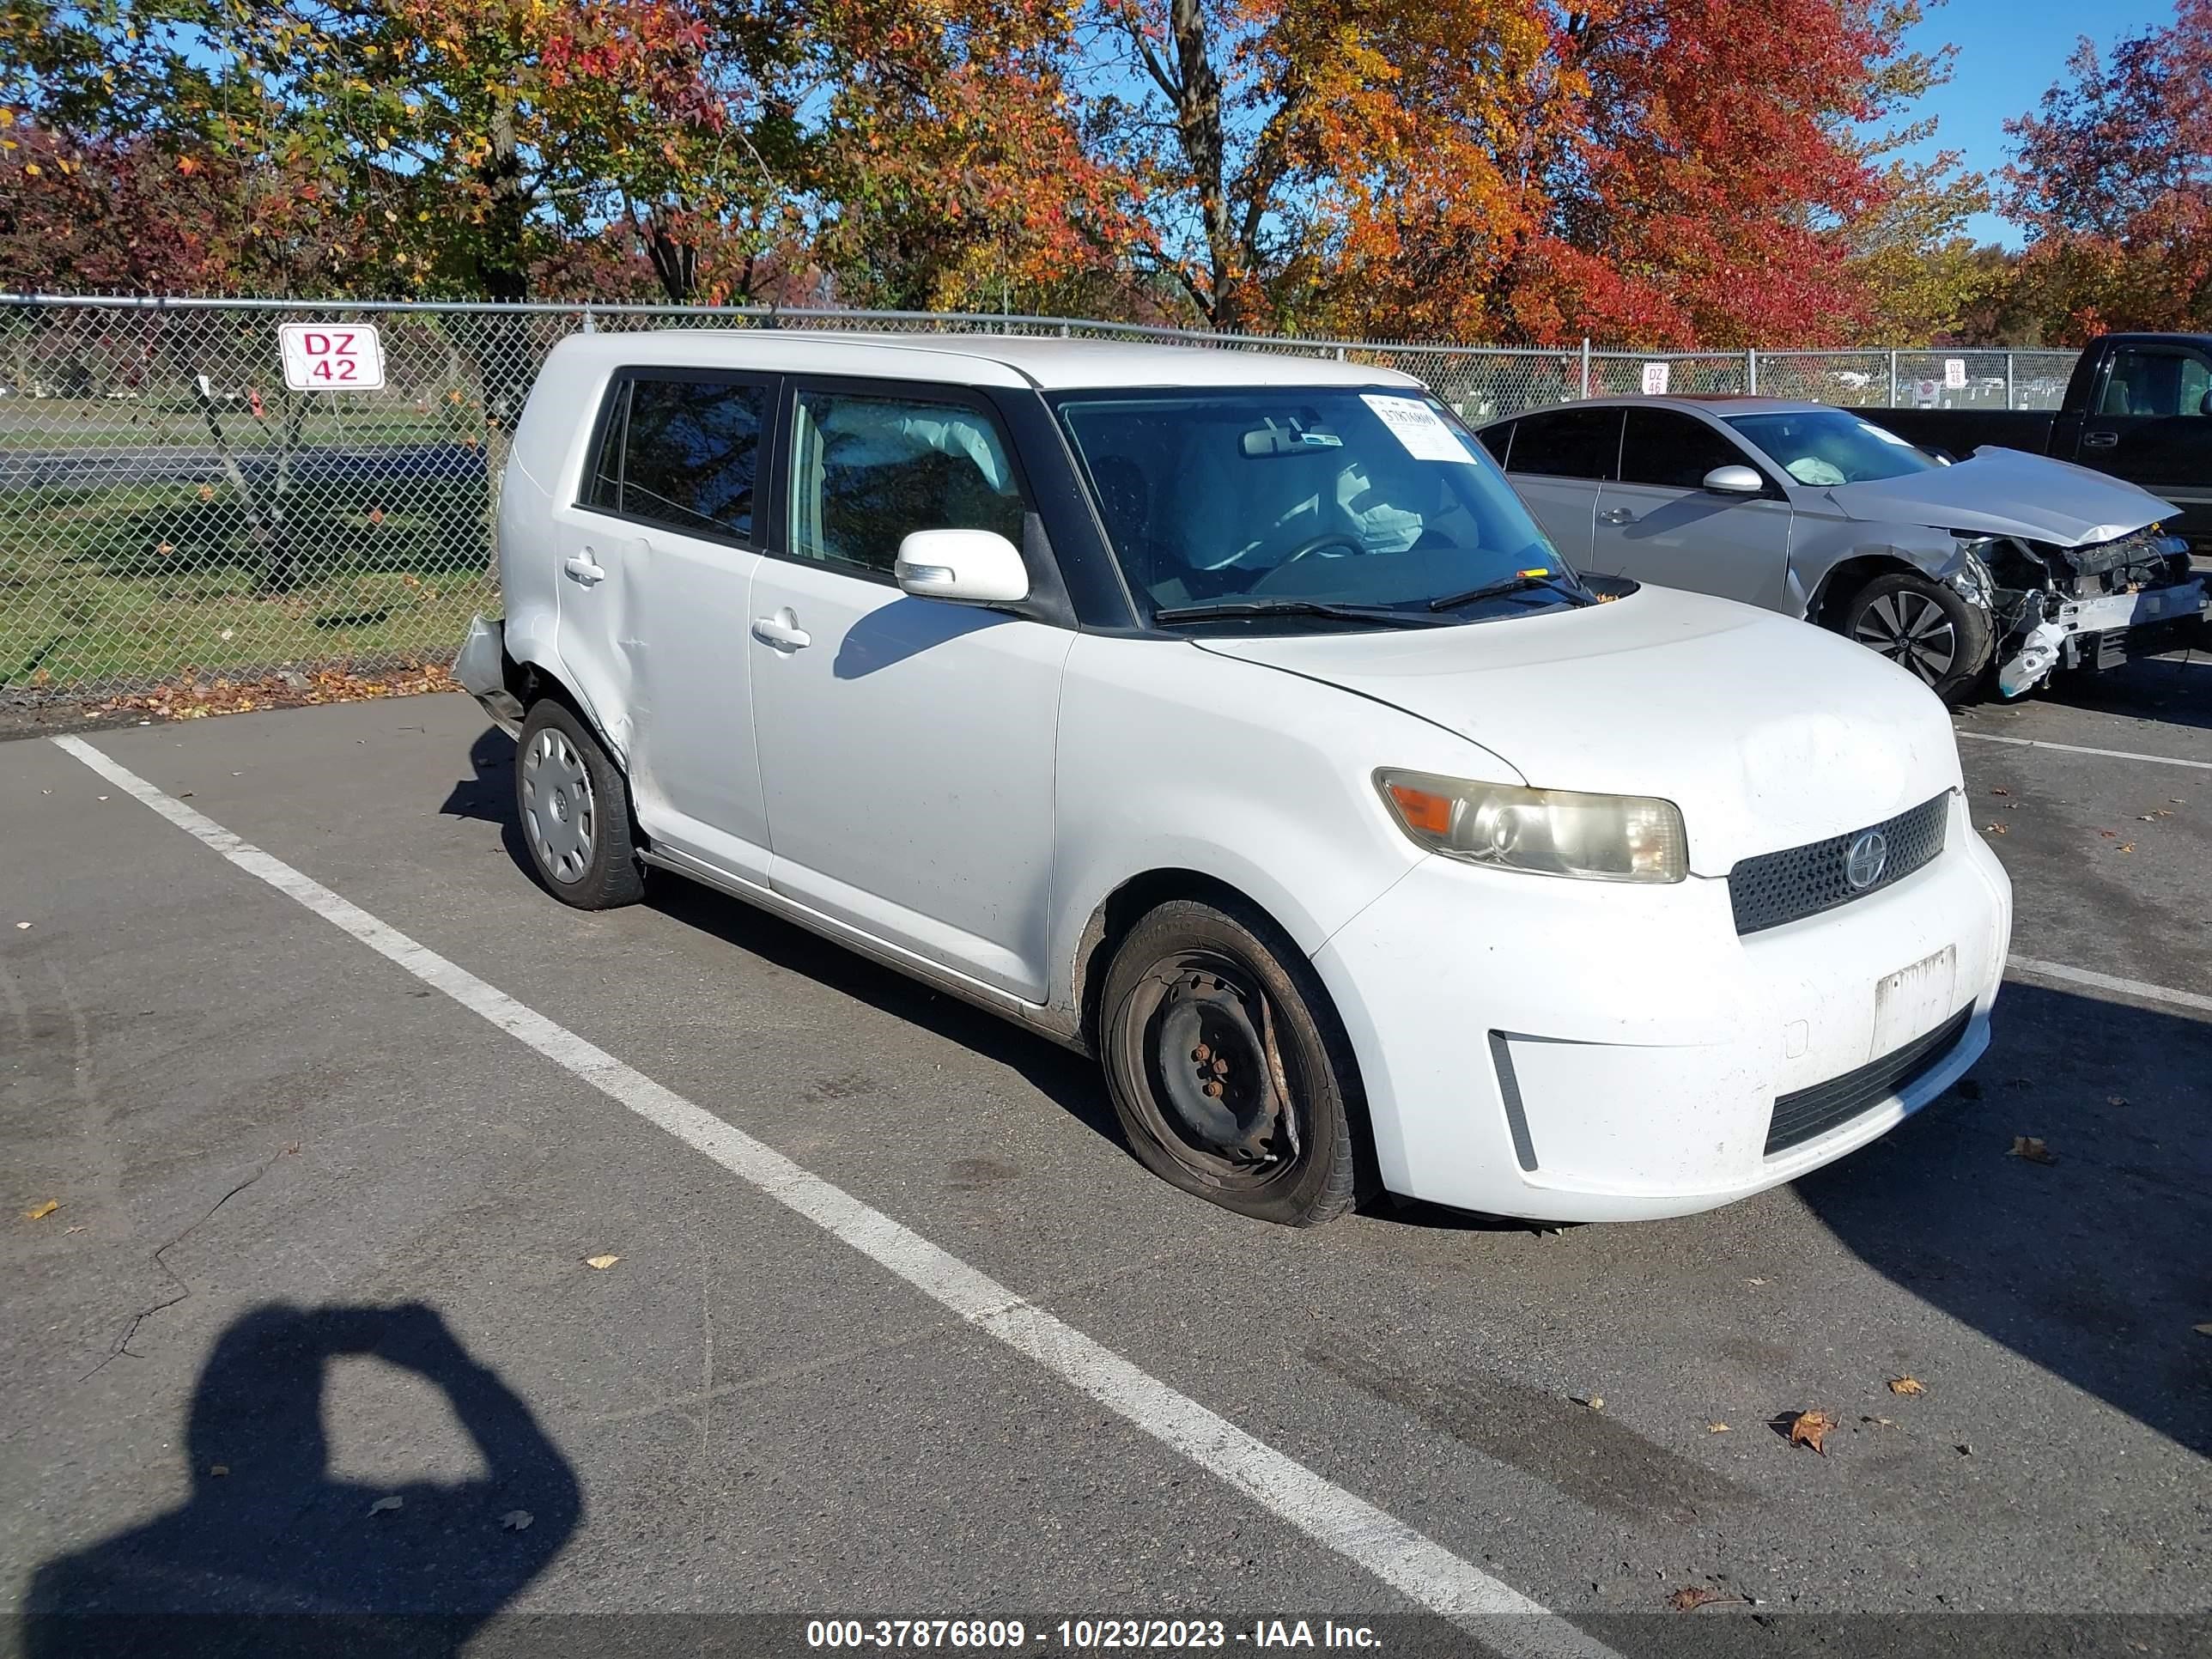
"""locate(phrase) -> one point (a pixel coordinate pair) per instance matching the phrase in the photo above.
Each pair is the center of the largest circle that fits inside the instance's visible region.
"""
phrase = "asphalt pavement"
(325, 1228)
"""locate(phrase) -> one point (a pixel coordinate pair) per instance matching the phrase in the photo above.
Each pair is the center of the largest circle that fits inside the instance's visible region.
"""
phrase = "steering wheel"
(1348, 546)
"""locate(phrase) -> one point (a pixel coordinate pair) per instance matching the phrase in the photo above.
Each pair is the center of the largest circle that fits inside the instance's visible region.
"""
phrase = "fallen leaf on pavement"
(2109, 835)
(2116, 1100)
(1881, 1422)
(516, 1520)
(219, 1470)
(2032, 1148)
(1811, 1429)
(1690, 1597)
(1594, 1402)
(2205, 1330)
(391, 1501)
(1717, 1428)
(1908, 1385)
(2000, 792)
(39, 1213)
(601, 1262)
(1758, 1281)
(2127, 847)
(1996, 829)
(23, 927)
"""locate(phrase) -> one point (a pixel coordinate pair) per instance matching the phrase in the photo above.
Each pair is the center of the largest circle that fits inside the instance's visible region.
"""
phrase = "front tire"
(1228, 1069)
(573, 807)
(1922, 626)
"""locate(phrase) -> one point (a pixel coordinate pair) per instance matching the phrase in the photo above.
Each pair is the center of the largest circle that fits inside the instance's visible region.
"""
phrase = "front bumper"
(1580, 1051)
(2106, 631)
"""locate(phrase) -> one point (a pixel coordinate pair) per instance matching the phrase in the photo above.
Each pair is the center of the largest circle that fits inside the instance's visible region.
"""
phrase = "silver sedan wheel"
(1911, 629)
(557, 806)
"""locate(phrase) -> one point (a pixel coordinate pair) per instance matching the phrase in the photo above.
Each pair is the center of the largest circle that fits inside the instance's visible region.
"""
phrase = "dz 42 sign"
(331, 356)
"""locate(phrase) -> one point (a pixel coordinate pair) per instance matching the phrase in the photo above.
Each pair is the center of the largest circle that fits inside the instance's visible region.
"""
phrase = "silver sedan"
(2000, 569)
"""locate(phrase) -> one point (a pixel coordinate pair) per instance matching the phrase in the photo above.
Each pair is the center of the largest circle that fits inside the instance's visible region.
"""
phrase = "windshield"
(1829, 447)
(1268, 500)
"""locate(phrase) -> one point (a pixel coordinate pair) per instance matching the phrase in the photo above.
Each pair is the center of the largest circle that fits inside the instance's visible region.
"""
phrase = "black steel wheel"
(1227, 1068)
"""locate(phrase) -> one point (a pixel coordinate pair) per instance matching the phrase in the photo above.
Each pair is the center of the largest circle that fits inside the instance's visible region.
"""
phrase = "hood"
(2005, 492)
(1766, 733)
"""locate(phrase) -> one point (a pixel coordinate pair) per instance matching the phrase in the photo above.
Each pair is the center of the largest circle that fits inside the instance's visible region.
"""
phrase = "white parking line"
(1408, 1560)
(2076, 748)
(2128, 988)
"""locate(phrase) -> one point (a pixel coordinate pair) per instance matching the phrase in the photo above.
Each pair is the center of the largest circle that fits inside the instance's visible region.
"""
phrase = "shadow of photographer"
(271, 1555)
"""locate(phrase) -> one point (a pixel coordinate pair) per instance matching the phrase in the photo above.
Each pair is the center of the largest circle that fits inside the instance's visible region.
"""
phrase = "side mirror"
(1737, 480)
(972, 567)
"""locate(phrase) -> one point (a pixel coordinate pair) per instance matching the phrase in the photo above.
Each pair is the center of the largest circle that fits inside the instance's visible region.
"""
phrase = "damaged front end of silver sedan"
(2093, 606)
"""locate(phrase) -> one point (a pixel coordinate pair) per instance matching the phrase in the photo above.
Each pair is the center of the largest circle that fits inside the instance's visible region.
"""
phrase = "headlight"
(1544, 832)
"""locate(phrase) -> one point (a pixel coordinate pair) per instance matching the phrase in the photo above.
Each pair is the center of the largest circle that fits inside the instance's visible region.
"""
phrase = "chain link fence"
(170, 511)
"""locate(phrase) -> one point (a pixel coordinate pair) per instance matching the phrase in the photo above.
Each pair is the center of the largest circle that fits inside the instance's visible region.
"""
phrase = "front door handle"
(781, 631)
(2099, 440)
(1616, 515)
(584, 570)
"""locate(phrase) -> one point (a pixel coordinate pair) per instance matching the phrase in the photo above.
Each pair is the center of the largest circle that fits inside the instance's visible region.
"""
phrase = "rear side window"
(867, 471)
(1665, 448)
(1568, 443)
(681, 452)
(1498, 440)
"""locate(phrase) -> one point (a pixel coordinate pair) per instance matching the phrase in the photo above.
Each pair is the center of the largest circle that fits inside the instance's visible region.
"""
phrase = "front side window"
(867, 471)
(1270, 499)
(1672, 450)
(1568, 443)
(2161, 384)
(688, 453)
(1824, 446)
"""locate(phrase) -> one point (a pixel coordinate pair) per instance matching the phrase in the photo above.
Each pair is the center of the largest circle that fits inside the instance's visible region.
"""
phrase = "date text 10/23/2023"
(1087, 1635)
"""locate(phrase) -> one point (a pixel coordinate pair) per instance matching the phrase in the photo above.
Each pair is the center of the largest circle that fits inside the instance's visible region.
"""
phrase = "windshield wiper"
(1519, 582)
(1231, 608)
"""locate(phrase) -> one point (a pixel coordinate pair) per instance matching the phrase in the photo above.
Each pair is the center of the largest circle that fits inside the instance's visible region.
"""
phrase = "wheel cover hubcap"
(1911, 629)
(558, 812)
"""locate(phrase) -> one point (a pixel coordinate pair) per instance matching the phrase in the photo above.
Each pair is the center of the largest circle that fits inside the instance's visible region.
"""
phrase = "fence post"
(589, 327)
(1585, 365)
(2008, 403)
(1750, 370)
(1892, 377)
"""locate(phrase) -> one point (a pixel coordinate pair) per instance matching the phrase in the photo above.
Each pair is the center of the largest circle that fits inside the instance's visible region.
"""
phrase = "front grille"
(1803, 881)
(1800, 1116)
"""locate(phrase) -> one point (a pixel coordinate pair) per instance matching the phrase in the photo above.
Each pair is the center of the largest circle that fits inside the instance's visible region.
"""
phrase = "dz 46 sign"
(331, 356)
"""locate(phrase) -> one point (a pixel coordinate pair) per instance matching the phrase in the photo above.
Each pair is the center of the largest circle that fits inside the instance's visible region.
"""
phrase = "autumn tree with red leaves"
(2113, 176)
(1700, 165)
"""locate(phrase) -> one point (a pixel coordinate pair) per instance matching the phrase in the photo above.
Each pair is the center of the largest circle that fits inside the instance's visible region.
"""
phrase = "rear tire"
(574, 808)
(1922, 626)
(1228, 1069)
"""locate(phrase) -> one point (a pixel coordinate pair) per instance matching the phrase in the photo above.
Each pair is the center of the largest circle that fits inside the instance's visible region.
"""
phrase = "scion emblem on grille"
(1868, 856)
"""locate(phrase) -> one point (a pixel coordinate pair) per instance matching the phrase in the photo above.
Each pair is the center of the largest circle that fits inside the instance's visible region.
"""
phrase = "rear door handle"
(2099, 440)
(1616, 515)
(781, 631)
(584, 570)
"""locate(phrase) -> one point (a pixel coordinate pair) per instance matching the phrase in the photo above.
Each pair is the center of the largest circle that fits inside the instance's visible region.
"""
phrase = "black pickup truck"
(2139, 406)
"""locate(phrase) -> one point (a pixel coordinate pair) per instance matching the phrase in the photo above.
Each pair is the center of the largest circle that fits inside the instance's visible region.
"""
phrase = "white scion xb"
(1226, 716)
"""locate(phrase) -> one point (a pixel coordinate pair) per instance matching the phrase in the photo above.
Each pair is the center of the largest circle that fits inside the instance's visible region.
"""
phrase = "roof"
(1722, 404)
(1008, 360)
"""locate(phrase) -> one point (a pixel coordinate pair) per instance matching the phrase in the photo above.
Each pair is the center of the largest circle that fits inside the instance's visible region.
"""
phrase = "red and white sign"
(331, 356)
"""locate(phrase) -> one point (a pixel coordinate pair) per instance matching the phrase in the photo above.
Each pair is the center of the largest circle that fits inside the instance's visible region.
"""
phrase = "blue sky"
(2009, 52)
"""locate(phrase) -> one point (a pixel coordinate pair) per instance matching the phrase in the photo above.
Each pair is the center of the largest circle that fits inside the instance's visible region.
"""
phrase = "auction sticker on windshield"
(1417, 426)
